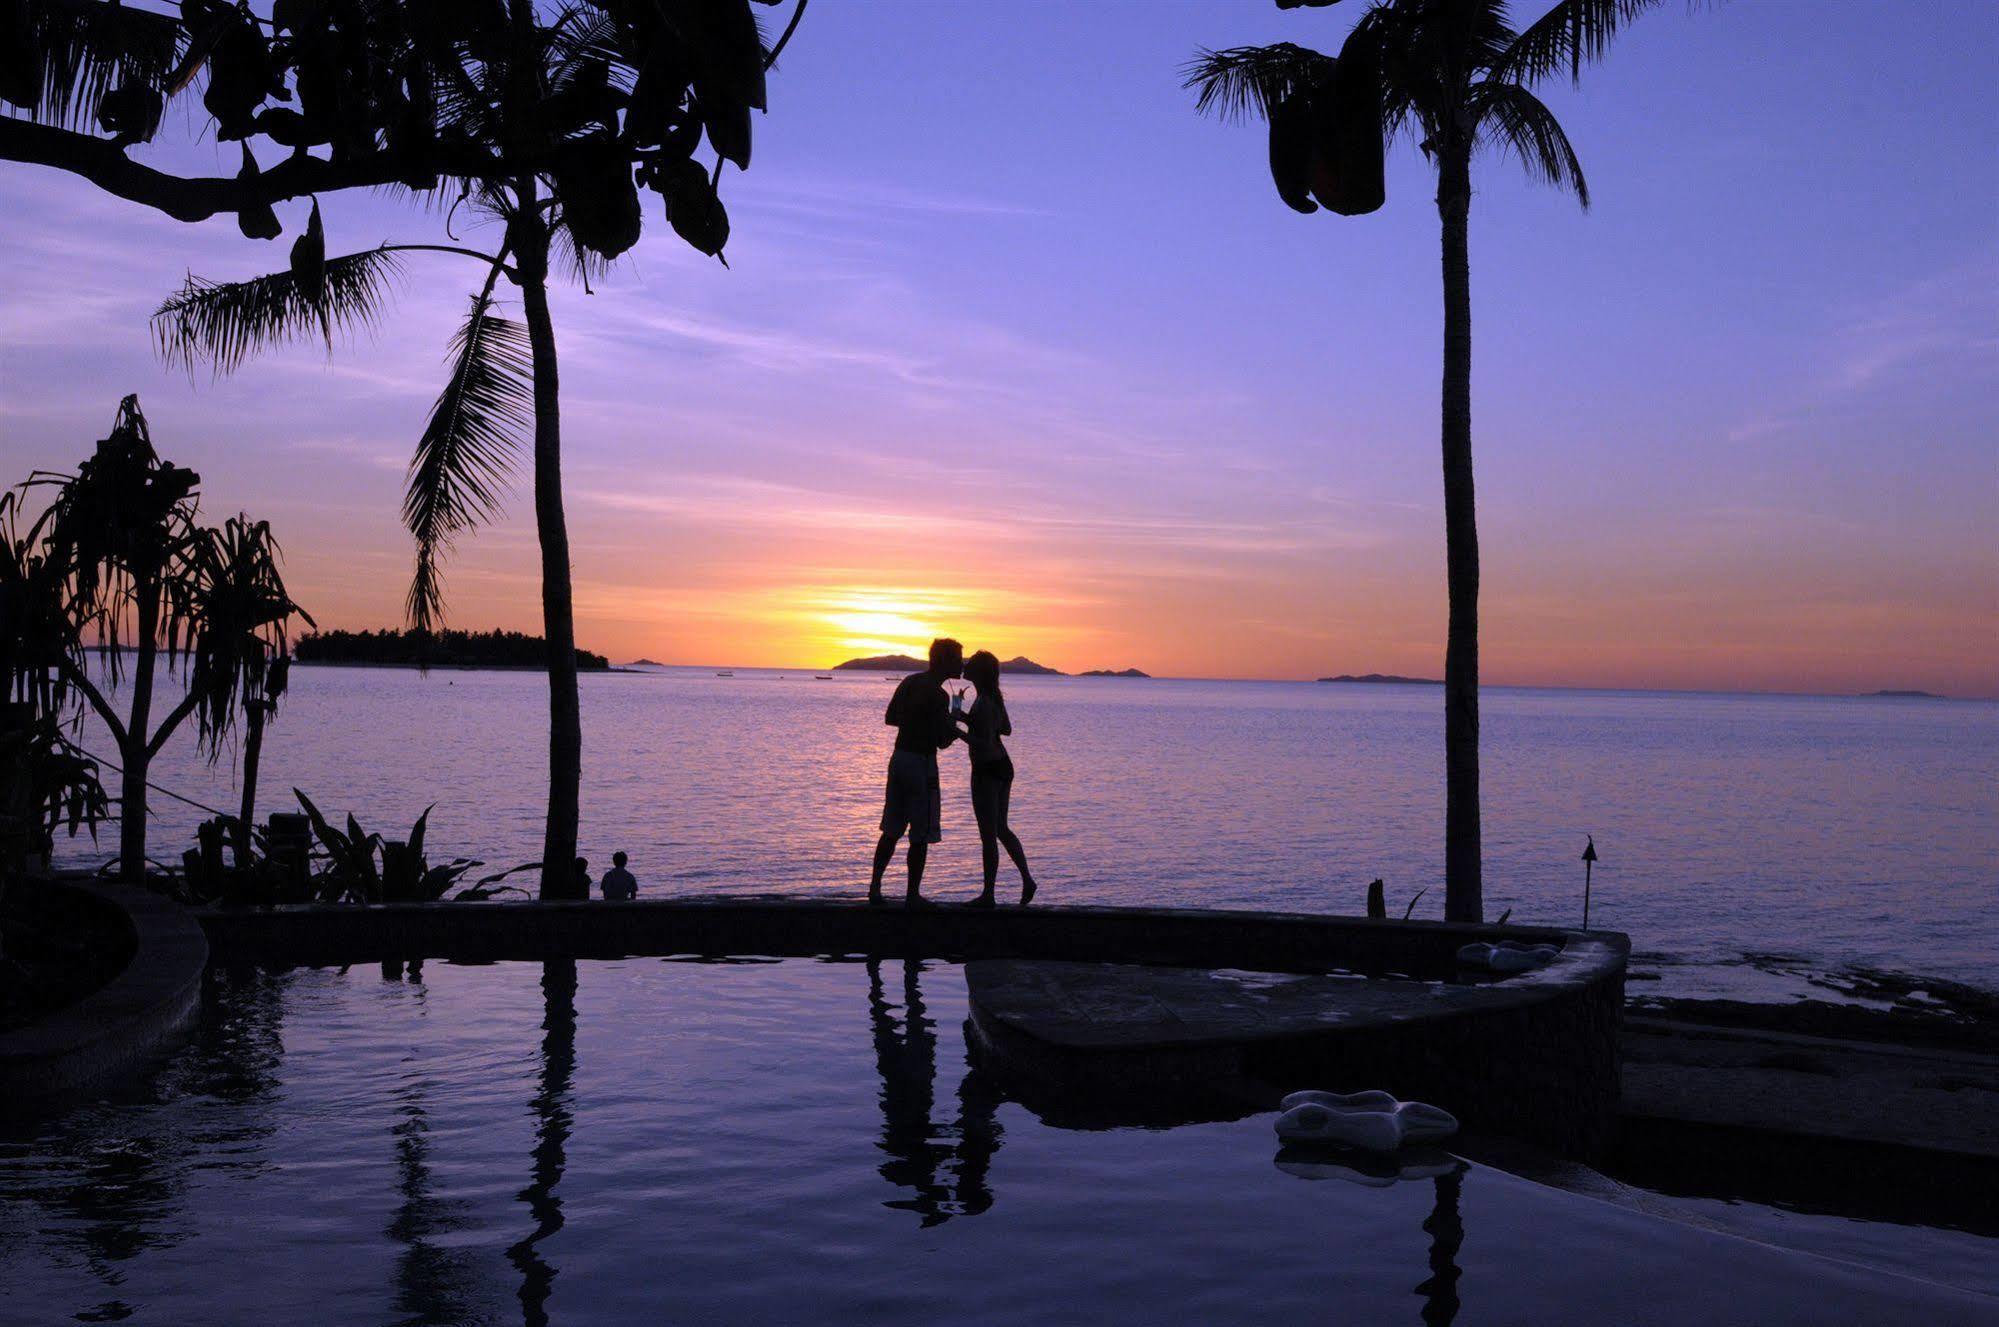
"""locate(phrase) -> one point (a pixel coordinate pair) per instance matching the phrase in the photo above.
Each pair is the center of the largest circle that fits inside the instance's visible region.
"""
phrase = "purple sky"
(1017, 346)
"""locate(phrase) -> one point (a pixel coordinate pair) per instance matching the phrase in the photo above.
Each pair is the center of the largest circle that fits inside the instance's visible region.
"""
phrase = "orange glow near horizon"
(1310, 621)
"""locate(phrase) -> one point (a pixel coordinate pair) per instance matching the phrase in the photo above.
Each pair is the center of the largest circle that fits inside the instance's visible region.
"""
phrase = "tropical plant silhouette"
(44, 781)
(552, 122)
(128, 568)
(245, 662)
(1458, 78)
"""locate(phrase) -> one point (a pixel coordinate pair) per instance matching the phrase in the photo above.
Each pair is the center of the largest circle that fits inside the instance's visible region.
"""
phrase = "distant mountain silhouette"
(1387, 678)
(645, 663)
(902, 663)
(883, 663)
(1023, 666)
(1112, 672)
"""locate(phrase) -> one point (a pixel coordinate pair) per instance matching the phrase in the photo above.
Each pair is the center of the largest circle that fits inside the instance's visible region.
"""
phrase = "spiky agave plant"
(1456, 76)
(573, 111)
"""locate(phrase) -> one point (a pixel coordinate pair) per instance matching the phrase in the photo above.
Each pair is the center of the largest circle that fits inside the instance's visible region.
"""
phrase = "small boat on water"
(725, 674)
(822, 677)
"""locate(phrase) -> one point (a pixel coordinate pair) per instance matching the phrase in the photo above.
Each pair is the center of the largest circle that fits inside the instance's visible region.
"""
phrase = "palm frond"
(224, 323)
(469, 446)
(581, 33)
(575, 260)
(75, 51)
(1572, 34)
(1247, 81)
(1510, 117)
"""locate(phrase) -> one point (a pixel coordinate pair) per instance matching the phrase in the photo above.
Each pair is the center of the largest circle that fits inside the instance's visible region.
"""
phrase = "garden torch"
(1589, 861)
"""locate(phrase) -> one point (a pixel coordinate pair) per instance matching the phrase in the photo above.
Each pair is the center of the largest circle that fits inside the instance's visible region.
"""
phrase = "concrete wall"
(125, 1023)
(791, 925)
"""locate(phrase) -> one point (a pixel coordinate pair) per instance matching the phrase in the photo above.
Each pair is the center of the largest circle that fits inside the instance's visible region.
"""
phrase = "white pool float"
(1372, 1100)
(1506, 956)
(1370, 1121)
(1373, 1172)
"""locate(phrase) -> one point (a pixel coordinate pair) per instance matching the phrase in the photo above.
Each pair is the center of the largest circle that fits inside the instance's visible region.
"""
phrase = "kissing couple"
(927, 720)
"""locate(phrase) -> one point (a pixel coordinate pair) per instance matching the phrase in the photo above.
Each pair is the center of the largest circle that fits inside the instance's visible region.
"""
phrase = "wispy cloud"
(1953, 315)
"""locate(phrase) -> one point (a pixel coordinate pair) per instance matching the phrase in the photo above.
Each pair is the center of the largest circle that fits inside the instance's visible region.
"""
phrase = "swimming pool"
(767, 1142)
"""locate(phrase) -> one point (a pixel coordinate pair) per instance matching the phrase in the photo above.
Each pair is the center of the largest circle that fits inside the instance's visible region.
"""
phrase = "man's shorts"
(914, 801)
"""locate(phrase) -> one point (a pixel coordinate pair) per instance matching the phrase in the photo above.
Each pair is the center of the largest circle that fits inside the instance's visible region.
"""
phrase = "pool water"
(768, 1142)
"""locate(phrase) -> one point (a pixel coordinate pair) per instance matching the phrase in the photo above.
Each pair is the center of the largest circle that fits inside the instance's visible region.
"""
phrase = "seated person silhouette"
(620, 885)
(920, 713)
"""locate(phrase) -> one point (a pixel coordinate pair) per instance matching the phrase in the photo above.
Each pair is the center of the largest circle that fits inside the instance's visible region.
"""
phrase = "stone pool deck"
(1534, 1056)
(1905, 1133)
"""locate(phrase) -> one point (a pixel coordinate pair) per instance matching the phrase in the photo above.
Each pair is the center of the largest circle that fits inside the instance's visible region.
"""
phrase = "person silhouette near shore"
(620, 885)
(986, 725)
(920, 713)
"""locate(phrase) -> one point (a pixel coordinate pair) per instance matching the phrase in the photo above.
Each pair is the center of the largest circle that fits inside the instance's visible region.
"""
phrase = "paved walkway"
(1857, 1091)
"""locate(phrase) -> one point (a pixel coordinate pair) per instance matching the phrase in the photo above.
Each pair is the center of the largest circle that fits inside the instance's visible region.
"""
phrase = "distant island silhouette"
(1386, 678)
(903, 663)
(645, 663)
(1020, 666)
(882, 663)
(1909, 695)
(391, 648)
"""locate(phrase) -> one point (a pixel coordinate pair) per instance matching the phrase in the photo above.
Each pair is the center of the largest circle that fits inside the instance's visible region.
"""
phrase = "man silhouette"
(920, 713)
(620, 885)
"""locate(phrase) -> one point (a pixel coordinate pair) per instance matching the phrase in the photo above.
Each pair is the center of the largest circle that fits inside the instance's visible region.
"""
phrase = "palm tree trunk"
(1463, 900)
(135, 755)
(253, 748)
(565, 721)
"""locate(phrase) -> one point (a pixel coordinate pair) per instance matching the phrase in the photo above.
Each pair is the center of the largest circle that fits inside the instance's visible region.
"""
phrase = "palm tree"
(571, 113)
(1457, 77)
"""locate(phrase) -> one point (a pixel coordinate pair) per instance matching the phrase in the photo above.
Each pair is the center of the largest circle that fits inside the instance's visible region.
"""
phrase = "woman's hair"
(982, 671)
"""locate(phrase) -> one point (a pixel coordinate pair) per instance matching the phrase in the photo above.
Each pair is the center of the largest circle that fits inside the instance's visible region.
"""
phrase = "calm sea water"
(795, 1142)
(1831, 831)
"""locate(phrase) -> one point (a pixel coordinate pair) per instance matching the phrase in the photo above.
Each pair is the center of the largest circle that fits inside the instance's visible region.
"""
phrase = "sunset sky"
(1015, 346)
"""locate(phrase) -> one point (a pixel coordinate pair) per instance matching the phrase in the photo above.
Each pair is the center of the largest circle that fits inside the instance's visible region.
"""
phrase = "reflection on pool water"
(768, 1142)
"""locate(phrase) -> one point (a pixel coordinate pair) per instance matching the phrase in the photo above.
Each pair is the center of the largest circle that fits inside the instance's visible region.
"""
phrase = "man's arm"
(946, 727)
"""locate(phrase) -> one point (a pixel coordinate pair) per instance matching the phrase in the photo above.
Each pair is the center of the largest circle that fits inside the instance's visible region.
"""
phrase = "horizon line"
(1313, 681)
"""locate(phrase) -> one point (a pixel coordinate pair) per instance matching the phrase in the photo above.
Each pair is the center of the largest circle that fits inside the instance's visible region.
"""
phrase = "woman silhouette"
(992, 775)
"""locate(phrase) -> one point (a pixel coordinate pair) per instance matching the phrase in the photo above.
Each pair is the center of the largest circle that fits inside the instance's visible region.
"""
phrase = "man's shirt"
(921, 714)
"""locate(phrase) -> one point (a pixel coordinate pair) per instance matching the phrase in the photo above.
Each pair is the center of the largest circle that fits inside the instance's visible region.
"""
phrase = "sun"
(885, 621)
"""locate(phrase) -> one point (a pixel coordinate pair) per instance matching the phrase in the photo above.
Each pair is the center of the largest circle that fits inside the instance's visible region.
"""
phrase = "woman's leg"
(1004, 833)
(985, 807)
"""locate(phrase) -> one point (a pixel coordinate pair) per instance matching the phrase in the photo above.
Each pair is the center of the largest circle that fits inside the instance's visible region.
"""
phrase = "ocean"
(1749, 844)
